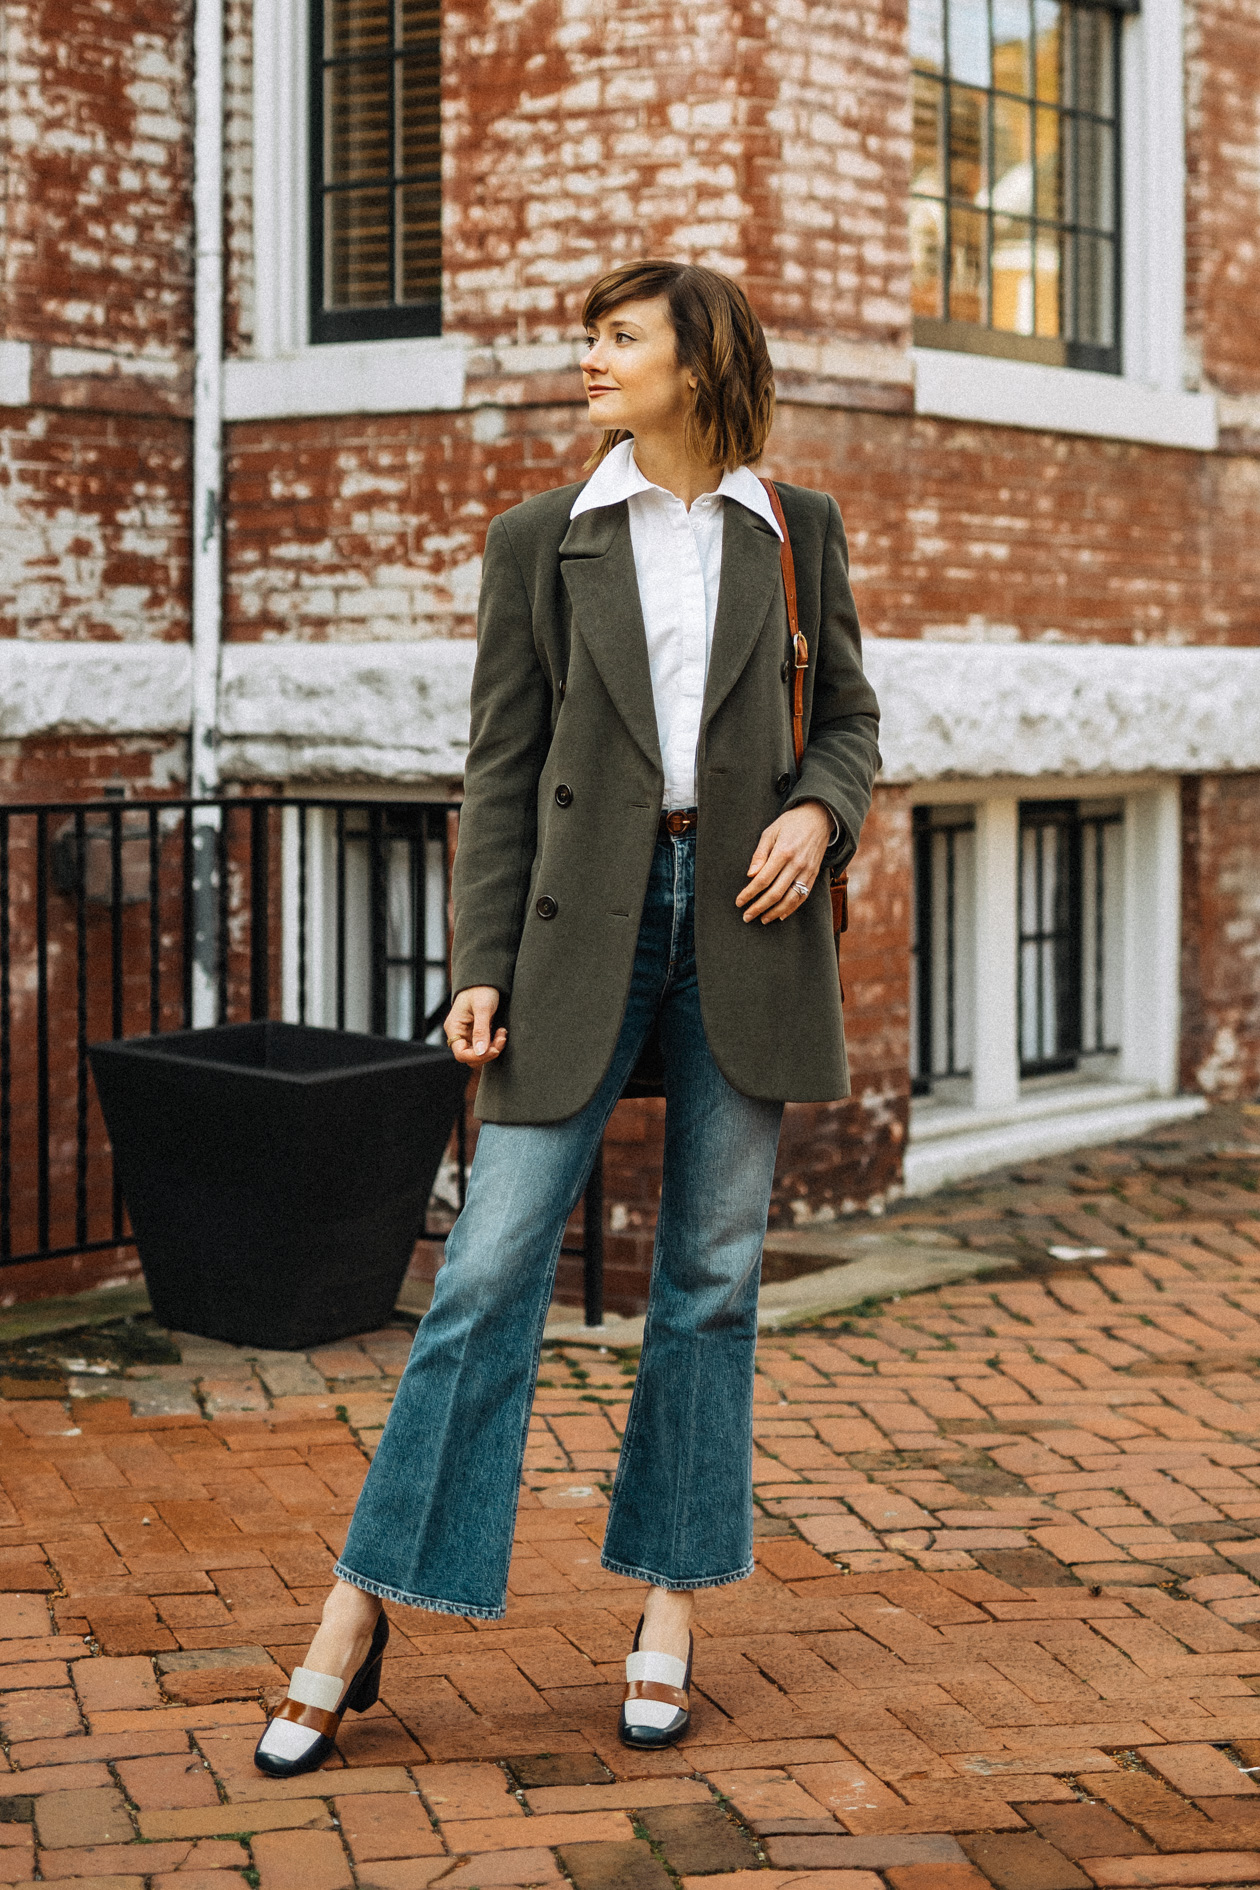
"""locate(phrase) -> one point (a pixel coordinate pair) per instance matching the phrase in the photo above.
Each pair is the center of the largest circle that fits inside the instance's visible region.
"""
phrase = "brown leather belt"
(678, 820)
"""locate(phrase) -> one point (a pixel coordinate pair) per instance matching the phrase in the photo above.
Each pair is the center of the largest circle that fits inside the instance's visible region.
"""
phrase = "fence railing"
(124, 918)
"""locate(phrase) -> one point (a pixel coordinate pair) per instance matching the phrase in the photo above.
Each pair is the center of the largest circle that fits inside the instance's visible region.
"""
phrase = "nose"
(596, 361)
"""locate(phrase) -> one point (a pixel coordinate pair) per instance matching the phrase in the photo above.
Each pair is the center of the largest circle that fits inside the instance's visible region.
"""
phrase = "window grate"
(1015, 193)
(376, 264)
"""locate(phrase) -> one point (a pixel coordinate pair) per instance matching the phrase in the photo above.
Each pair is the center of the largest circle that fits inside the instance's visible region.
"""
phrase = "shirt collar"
(618, 477)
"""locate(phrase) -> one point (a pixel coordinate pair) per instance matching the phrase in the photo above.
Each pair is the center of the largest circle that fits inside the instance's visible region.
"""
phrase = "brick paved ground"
(1005, 1627)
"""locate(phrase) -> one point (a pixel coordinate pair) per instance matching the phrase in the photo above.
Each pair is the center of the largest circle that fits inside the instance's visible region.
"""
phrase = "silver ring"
(798, 885)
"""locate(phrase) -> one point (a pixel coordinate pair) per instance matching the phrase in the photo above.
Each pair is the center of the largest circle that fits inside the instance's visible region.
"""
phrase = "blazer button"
(564, 796)
(546, 907)
(563, 685)
(782, 783)
(786, 670)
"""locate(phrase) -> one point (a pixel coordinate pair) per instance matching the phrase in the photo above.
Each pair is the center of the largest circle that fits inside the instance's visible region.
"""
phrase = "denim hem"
(405, 1600)
(668, 1581)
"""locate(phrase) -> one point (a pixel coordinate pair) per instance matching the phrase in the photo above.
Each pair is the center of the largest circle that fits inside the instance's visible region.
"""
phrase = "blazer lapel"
(597, 560)
(751, 577)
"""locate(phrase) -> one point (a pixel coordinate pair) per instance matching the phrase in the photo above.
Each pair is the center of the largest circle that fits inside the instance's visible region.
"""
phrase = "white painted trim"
(995, 1052)
(1079, 1117)
(1148, 402)
(279, 176)
(15, 373)
(94, 688)
(957, 386)
(1152, 938)
(418, 376)
(972, 710)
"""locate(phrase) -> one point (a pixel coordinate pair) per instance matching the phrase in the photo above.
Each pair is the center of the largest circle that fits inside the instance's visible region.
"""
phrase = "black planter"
(276, 1175)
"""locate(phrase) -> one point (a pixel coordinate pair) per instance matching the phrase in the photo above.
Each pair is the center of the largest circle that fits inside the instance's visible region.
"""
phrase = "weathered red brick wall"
(1220, 955)
(1223, 190)
(371, 526)
(96, 249)
(827, 161)
(93, 525)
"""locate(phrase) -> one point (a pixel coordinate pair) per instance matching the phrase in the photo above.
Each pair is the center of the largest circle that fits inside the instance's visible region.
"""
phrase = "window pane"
(356, 26)
(1012, 157)
(419, 117)
(927, 220)
(968, 300)
(1012, 47)
(1048, 245)
(927, 241)
(357, 123)
(417, 20)
(1092, 298)
(968, 116)
(420, 242)
(1095, 189)
(1012, 275)
(1049, 198)
(927, 42)
(1090, 70)
(969, 41)
(1049, 54)
(928, 134)
(357, 247)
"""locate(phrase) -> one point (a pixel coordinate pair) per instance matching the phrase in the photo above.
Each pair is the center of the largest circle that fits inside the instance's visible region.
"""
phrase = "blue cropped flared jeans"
(434, 1522)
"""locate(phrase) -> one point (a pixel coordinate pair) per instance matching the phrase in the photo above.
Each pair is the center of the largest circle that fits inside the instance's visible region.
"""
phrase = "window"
(366, 917)
(376, 253)
(942, 985)
(1015, 189)
(1070, 888)
(1068, 943)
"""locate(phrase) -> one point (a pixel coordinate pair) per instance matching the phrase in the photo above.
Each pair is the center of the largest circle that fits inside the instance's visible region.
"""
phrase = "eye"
(622, 336)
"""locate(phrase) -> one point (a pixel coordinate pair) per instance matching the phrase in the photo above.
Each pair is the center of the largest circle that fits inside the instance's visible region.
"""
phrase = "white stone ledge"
(977, 710)
(956, 386)
(325, 711)
(93, 689)
(974, 1142)
(425, 375)
(398, 712)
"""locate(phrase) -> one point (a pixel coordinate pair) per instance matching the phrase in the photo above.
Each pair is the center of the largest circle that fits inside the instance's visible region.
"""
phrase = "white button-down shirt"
(678, 562)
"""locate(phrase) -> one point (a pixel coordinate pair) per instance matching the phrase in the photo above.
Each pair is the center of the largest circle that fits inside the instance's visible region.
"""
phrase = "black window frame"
(980, 337)
(398, 321)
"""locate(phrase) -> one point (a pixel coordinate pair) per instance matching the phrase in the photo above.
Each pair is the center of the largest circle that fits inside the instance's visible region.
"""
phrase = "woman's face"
(633, 380)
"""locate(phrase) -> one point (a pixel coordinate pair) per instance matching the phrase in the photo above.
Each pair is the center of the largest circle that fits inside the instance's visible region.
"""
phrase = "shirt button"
(546, 907)
(564, 796)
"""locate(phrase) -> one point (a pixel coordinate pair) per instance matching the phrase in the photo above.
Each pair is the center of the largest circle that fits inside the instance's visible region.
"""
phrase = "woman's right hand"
(467, 1026)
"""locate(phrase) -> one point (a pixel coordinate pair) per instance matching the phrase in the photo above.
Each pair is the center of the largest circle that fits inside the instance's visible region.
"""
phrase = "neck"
(667, 463)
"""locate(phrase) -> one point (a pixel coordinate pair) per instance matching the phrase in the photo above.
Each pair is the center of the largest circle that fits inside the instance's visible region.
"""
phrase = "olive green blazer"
(563, 792)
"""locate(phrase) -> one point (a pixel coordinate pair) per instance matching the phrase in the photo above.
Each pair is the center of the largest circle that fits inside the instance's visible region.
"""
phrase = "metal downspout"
(207, 539)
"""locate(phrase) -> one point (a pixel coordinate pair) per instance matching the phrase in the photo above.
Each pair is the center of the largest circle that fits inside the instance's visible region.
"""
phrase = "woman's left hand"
(788, 857)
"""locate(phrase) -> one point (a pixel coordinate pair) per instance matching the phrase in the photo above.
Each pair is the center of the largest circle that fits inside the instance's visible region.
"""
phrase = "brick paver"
(1004, 1630)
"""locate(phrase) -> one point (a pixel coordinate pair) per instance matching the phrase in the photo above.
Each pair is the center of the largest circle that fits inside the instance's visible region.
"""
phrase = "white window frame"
(1148, 400)
(1010, 1120)
(287, 377)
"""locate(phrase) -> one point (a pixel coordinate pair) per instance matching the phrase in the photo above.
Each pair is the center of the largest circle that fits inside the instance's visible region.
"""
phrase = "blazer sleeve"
(509, 737)
(841, 757)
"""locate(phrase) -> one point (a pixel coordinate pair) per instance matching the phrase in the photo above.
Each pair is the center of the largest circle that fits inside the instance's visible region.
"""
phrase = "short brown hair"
(719, 340)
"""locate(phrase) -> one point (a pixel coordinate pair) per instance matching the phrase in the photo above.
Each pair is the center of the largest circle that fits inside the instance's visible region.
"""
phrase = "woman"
(637, 854)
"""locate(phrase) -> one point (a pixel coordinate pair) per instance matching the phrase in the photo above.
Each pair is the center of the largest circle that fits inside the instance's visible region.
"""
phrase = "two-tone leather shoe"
(303, 1732)
(656, 1709)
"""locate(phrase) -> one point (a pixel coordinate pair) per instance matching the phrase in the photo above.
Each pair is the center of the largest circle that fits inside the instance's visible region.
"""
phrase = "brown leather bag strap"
(800, 657)
(800, 648)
